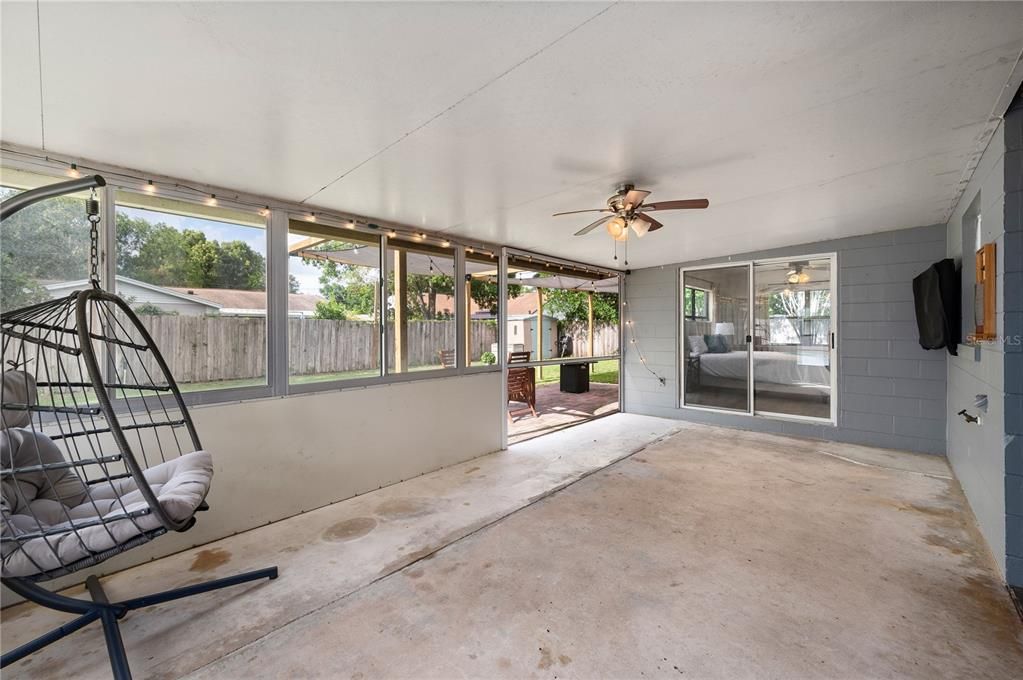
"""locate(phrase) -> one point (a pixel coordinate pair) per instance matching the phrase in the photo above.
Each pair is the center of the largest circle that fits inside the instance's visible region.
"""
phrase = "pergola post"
(539, 327)
(589, 322)
(400, 311)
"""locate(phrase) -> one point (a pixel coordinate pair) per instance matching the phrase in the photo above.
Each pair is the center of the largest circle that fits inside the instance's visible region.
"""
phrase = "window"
(196, 276)
(334, 304)
(44, 248)
(482, 302)
(696, 304)
(421, 326)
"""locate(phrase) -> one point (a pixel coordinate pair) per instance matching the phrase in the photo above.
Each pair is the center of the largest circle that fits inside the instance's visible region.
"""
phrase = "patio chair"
(447, 358)
(518, 357)
(522, 388)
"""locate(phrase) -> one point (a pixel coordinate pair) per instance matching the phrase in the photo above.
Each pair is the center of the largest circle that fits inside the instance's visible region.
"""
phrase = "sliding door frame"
(681, 286)
(751, 409)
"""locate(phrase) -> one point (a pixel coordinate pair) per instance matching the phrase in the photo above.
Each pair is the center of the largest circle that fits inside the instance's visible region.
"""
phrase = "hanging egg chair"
(98, 453)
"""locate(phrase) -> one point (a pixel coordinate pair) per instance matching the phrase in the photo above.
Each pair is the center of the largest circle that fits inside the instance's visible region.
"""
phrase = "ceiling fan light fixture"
(641, 227)
(616, 227)
(624, 236)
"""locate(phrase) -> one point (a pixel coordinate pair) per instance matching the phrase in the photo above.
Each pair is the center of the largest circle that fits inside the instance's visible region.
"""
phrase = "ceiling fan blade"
(635, 197)
(576, 212)
(692, 204)
(593, 225)
(654, 224)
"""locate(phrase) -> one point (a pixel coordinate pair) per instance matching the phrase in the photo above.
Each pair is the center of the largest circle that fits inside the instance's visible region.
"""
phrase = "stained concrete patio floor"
(557, 410)
(707, 553)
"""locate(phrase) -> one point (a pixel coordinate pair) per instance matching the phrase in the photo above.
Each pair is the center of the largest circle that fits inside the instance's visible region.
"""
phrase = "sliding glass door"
(792, 338)
(715, 323)
(774, 357)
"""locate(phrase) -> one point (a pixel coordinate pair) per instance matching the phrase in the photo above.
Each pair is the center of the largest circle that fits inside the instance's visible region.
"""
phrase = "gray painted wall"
(1012, 295)
(977, 451)
(891, 392)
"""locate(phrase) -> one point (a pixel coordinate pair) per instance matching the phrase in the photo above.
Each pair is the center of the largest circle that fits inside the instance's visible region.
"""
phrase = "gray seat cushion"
(58, 501)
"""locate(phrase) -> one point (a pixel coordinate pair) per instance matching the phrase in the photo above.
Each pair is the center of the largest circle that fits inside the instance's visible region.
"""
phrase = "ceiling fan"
(626, 209)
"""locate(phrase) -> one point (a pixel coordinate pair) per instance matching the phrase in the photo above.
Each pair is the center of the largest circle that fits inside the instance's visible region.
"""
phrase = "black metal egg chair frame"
(98, 453)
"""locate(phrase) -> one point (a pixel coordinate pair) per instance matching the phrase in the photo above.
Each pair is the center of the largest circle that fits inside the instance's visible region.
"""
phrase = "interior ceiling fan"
(626, 209)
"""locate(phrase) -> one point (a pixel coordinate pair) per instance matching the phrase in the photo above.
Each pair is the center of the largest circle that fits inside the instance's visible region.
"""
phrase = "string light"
(446, 243)
(149, 186)
(639, 352)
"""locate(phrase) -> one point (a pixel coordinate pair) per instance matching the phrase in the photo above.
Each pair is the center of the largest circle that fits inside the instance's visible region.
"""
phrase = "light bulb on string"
(150, 188)
(73, 171)
(212, 200)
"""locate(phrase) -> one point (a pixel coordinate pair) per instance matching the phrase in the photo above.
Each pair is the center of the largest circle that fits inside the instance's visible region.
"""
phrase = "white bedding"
(768, 367)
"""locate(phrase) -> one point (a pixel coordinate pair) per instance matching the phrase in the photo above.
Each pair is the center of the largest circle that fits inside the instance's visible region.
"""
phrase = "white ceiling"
(799, 122)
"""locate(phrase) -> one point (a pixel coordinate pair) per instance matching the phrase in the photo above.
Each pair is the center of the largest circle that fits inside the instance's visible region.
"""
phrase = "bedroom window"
(696, 303)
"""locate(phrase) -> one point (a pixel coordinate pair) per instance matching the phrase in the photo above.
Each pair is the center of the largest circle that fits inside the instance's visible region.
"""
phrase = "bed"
(774, 371)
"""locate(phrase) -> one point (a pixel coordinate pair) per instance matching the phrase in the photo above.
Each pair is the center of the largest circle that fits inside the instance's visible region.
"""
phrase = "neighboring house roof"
(124, 280)
(232, 299)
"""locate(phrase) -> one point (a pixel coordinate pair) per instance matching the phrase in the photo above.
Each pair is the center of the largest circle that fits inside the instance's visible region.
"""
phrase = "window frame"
(330, 385)
(276, 215)
(199, 397)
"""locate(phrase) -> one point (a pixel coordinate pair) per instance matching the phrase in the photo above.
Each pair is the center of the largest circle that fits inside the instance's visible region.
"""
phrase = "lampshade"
(616, 227)
(641, 227)
(724, 328)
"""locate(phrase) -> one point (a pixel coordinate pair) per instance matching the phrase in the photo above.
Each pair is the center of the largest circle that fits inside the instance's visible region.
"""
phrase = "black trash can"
(575, 378)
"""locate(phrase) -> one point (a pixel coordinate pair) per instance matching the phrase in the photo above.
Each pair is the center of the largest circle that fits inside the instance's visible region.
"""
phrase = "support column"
(539, 324)
(589, 322)
(400, 311)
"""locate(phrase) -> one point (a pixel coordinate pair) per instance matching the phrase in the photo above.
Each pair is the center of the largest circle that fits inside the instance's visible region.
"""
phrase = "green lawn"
(602, 372)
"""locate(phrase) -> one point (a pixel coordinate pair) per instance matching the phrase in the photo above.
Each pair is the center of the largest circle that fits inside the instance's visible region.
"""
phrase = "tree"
(330, 309)
(293, 285)
(48, 241)
(571, 306)
(164, 256)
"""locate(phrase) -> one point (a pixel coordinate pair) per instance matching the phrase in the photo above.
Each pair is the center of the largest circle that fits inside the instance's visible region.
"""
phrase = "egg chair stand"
(98, 452)
(108, 613)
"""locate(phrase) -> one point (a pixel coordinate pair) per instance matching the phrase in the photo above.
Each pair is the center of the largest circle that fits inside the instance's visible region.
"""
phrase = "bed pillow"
(696, 345)
(716, 344)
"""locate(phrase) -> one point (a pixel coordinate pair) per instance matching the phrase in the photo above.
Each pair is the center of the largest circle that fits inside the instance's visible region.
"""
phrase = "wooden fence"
(210, 348)
(605, 340)
(202, 349)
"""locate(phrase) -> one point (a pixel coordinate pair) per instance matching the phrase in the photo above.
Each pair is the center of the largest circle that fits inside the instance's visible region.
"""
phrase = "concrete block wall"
(977, 451)
(1011, 292)
(891, 392)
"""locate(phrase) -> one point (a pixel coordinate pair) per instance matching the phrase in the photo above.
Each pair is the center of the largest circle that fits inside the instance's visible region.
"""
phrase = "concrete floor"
(708, 553)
